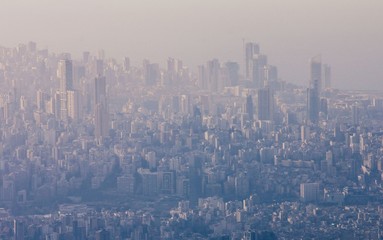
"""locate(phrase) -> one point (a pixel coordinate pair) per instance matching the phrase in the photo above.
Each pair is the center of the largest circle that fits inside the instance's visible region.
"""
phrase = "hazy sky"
(347, 33)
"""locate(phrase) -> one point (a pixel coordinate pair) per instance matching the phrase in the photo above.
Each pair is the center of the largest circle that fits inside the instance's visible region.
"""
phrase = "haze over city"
(210, 120)
(345, 32)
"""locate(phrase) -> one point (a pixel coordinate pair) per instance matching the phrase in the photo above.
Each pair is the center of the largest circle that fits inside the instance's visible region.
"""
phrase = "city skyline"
(191, 120)
(344, 32)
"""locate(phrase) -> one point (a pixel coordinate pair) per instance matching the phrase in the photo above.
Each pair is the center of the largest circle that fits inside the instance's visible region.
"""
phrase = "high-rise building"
(271, 74)
(305, 133)
(309, 192)
(185, 104)
(166, 182)
(101, 113)
(249, 107)
(232, 73)
(85, 56)
(101, 121)
(257, 66)
(251, 49)
(41, 98)
(355, 114)
(172, 65)
(100, 67)
(213, 75)
(149, 182)
(265, 104)
(316, 73)
(313, 92)
(18, 230)
(126, 183)
(99, 89)
(65, 75)
(202, 78)
(313, 105)
(126, 64)
(32, 46)
(74, 105)
(171, 73)
(327, 76)
(23, 103)
(55, 104)
(324, 106)
(151, 73)
(175, 104)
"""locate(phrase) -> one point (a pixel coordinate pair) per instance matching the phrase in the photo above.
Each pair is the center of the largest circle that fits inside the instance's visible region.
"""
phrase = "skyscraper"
(202, 78)
(74, 105)
(41, 98)
(65, 75)
(174, 67)
(249, 107)
(126, 64)
(99, 89)
(271, 74)
(101, 113)
(56, 104)
(313, 92)
(151, 73)
(316, 73)
(257, 66)
(213, 75)
(101, 121)
(313, 105)
(251, 49)
(265, 104)
(232, 73)
(185, 104)
(100, 67)
(327, 76)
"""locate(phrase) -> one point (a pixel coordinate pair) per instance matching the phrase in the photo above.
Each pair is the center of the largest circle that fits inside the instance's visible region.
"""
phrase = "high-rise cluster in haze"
(224, 151)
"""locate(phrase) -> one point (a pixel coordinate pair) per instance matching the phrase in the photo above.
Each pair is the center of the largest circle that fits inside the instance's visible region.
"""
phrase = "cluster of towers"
(257, 70)
(215, 76)
(263, 77)
(315, 104)
(69, 106)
